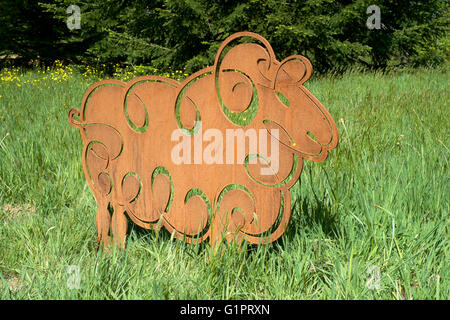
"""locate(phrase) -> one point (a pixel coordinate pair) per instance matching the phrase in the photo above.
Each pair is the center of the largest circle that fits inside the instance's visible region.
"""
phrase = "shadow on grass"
(310, 218)
(148, 235)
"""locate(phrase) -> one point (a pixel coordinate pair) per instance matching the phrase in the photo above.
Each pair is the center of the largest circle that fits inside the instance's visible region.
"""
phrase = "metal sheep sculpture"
(154, 148)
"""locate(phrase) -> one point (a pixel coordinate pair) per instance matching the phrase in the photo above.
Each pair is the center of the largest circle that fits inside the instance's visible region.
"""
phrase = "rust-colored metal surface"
(211, 157)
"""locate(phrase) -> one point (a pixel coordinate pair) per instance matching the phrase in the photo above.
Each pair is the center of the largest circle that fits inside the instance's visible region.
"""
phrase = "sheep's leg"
(103, 221)
(119, 226)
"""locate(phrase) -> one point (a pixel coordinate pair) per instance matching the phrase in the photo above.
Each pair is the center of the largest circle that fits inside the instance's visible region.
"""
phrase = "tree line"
(185, 34)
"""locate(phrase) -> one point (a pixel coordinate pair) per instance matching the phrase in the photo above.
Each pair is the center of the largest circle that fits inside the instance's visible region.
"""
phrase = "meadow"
(371, 222)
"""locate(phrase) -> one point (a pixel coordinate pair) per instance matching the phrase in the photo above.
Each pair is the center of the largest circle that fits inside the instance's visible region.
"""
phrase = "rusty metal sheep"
(128, 131)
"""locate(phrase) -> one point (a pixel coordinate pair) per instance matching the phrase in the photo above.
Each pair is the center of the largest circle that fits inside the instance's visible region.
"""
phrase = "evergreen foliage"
(185, 34)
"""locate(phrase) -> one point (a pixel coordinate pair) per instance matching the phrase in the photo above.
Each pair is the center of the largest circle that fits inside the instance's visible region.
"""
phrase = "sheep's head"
(263, 91)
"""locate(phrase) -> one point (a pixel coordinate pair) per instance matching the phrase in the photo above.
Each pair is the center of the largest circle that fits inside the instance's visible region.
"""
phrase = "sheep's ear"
(294, 69)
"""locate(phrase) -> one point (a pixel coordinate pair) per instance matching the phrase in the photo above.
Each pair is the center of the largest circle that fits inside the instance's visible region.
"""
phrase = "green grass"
(379, 201)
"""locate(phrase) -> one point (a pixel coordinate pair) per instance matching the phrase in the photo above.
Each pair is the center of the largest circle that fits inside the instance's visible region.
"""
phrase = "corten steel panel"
(128, 149)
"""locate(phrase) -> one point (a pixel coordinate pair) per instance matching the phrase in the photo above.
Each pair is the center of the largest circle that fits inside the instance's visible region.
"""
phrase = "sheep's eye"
(283, 98)
(312, 136)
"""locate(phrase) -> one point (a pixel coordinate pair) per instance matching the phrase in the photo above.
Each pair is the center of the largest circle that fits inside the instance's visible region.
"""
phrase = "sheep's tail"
(71, 117)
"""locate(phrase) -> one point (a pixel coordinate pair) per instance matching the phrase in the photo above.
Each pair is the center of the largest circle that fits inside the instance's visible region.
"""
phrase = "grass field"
(371, 222)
